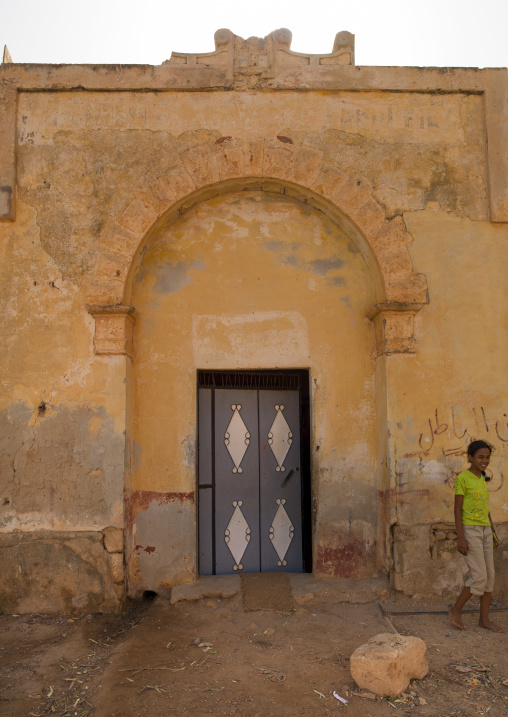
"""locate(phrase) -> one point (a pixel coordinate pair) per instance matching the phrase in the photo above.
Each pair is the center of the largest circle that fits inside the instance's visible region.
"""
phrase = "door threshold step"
(304, 588)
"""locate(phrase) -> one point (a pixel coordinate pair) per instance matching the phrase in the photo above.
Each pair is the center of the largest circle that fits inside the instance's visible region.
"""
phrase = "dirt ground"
(209, 657)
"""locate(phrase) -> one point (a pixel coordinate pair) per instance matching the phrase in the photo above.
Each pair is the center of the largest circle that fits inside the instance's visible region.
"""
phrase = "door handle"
(286, 479)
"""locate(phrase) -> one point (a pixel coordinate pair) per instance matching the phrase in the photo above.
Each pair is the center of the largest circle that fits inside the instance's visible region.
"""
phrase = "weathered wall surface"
(61, 437)
(77, 171)
(460, 370)
(255, 208)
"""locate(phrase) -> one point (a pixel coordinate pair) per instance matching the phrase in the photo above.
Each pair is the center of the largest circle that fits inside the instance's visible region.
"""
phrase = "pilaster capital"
(113, 329)
(394, 327)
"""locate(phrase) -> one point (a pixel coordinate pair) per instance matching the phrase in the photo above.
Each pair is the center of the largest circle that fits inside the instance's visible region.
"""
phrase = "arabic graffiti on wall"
(452, 431)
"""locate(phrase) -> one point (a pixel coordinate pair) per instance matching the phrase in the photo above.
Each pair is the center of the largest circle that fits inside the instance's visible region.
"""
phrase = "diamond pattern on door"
(280, 438)
(281, 532)
(237, 535)
(237, 438)
(250, 487)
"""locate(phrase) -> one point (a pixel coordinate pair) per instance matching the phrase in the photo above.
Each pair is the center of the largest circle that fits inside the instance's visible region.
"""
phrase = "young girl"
(476, 536)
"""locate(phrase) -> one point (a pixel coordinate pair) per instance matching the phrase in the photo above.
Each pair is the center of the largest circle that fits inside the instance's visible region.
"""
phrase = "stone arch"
(211, 168)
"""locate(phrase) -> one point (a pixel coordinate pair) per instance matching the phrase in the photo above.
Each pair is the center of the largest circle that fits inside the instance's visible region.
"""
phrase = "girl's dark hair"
(475, 446)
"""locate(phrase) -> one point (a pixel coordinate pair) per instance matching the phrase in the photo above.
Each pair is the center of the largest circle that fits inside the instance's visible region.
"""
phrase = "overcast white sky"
(449, 33)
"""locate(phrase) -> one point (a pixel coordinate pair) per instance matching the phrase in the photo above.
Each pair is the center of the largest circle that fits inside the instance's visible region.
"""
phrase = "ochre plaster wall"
(364, 201)
(61, 436)
(451, 391)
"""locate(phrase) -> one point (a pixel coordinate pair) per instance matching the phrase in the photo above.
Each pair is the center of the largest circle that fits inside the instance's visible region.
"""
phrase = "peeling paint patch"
(19, 412)
(163, 527)
(190, 451)
(264, 334)
(137, 452)
(173, 277)
(291, 255)
(435, 470)
(323, 266)
(64, 466)
(140, 500)
(351, 559)
(337, 281)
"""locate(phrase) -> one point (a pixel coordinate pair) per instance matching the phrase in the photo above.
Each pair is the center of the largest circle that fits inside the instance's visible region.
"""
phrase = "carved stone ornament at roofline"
(260, 58)
(7, 59)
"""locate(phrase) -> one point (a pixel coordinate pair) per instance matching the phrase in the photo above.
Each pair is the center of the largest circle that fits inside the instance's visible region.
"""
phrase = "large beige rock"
(113, 539)
(387, 663)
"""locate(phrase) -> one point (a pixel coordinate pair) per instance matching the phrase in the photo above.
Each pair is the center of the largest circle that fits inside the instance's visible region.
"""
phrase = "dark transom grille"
(274, 380)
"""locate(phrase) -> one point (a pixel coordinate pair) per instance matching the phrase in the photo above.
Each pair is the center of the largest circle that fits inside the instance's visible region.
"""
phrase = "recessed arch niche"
(254, 277)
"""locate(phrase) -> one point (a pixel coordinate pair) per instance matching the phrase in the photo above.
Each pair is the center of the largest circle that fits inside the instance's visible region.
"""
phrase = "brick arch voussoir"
(211, 168)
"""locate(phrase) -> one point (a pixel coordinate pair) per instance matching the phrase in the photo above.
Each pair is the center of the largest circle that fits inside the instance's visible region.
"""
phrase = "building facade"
(254, 311)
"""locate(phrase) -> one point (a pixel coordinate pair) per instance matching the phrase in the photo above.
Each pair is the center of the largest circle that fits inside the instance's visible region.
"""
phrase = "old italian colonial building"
(254, 309)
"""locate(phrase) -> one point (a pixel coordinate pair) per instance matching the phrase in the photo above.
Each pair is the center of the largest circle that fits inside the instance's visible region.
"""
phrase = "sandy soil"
(209, 657)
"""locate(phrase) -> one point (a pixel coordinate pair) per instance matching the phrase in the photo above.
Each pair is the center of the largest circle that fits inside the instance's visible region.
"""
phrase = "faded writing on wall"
(429, 118)
(452, 429)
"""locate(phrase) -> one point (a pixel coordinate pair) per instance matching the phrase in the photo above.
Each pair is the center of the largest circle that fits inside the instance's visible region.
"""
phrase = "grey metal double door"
(250, 492)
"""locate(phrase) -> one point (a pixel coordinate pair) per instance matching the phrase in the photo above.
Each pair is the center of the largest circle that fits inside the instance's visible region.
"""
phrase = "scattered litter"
(422, 701)
(135, 670)
(505, 682)
(321, 695)
(271, 674)
(157, 688)
(341, 699)
(50, 693)
(460, 668)
(205, 646)
(365, 695)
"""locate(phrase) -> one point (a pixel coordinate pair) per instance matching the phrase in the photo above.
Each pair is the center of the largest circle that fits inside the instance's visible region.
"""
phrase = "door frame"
(265, 379)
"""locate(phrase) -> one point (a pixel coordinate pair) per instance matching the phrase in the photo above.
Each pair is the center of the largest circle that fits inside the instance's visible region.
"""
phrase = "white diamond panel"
(236, 438)
(280, 438)
(237, 535)
(281, 532)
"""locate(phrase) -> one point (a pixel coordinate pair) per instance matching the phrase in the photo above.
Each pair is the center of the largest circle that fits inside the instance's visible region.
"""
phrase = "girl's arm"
(462, 545)
(494, 536)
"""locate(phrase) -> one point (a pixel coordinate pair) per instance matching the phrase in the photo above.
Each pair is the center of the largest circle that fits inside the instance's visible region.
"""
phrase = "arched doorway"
(252, 280)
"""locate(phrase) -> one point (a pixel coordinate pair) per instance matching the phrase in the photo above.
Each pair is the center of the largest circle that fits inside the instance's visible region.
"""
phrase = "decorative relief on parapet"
(7, 59)
(261, 57)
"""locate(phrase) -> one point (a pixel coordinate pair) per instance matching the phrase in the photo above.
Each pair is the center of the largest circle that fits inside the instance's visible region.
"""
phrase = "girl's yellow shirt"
(475, 508)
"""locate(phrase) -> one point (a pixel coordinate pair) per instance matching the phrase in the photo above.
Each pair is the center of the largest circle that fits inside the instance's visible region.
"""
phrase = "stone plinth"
(387, 663)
